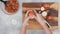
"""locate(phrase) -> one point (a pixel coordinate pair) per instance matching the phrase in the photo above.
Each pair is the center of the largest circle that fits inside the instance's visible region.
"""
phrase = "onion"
(42, 8)
(44, 13)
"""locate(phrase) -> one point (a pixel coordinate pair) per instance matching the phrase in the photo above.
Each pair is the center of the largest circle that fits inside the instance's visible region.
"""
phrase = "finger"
(35, 12)
(29, 17)
(27, 13)
(34, 17)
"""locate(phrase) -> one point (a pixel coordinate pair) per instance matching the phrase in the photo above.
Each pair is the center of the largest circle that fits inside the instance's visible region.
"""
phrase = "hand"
(40, 19)
(25, 23)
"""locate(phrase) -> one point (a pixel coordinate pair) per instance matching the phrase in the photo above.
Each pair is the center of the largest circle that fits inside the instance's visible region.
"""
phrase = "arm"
(25, 24)
(23, 30)
(46, 29)
(42, 22)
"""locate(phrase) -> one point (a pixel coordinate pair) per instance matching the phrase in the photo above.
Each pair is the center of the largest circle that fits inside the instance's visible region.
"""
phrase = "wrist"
(25, 24)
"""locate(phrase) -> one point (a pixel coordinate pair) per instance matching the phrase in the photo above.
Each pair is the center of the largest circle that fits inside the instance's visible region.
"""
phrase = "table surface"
(7, 24)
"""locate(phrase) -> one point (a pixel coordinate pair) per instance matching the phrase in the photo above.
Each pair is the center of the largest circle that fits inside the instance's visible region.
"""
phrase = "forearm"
(24, 26)
(45, 27)
(23, 30)
(47, 30)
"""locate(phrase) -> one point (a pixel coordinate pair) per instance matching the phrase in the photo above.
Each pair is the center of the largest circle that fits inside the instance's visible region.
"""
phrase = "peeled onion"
(44, 13)
(42, 8)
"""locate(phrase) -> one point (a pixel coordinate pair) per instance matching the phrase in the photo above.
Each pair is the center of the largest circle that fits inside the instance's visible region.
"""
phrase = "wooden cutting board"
(33, 24)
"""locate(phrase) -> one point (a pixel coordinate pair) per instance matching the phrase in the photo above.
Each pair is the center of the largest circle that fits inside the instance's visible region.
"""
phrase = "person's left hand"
(26, 19)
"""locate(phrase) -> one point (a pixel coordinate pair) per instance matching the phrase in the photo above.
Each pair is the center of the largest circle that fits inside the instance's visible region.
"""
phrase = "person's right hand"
(40, 19)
